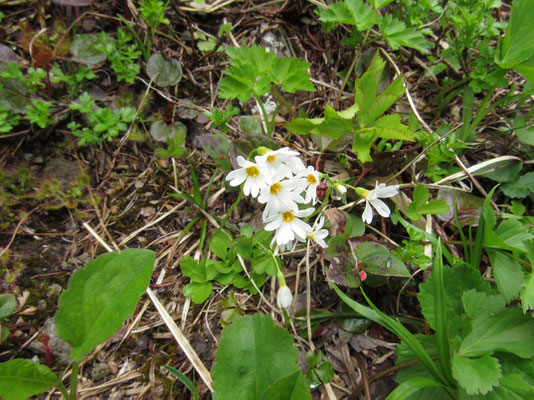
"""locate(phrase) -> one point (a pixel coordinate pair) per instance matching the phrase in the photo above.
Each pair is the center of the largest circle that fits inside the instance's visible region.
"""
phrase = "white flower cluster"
(279, 179)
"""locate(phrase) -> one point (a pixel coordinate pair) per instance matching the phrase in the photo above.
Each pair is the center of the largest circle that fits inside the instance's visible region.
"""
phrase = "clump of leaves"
(103, 123)
(363, 122)
(255, 71)
(122, 53)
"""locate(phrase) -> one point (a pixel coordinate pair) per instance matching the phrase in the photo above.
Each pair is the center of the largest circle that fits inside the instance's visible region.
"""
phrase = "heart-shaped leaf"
(101, 296)
(170, 72)
(21, 379)
(160, 131)
(8, 304)
(84, 48)
(256, 359)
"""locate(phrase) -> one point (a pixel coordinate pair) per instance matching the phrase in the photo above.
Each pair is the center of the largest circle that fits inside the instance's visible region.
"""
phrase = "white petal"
(284, 234)
(284, 297)
(388, 191)
(367, 215)
(381, 207)
(274, 224)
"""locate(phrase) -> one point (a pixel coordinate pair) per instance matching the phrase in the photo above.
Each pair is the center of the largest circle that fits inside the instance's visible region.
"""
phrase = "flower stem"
(74, 381)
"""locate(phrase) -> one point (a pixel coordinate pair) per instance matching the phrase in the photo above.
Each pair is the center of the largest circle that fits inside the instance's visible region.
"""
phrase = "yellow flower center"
(252, 171)
(311, 236)
(271, 158)
(275, 188)
(288, 217)
(311, 179)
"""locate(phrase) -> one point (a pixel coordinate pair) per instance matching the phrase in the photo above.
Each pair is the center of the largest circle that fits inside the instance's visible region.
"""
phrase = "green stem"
(264, 118)
(281, 99)
(74, 381)
(63, 390)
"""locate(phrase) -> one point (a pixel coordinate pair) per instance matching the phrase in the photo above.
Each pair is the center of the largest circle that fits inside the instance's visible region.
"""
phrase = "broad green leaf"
(504, 171)
(161, 132)
(508, 274)
(517, 382)
(84, 49)
(476, 375)
(390, 127)
(526, 68)
(521, 187)
(421, 195)
(509, 331)
(351, 12)
(291, 387)
(376, 259)
(517, 45)
(101, 296)
(456, 280)
(303, 126)
(250, 125)
(379, 3)
(170, 72)
(514, 232)
(292, 74)
(8, 304)
(476, 303)
(193, 270)
(397, 34)
(219, 244)
(524, 131)
(407, 388)
(382, 103)
(527, 294)
(257, 57)
(361, 144)
(253, 354)
(342, 263)
(365, 87)
(199, 292)
(217, 146)
(21, 379)
(242, 82)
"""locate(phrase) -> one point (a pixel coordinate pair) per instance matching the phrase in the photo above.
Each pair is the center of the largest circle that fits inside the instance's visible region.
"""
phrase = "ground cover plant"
(267, 200)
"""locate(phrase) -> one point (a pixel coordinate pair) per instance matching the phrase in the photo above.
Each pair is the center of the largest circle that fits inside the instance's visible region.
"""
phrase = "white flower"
(274, 159)
(309, 179)
(280, 195)
(284, 297)
(372, 198)
(317, 234)
(339, 191)
(254, 175)
(288, 226)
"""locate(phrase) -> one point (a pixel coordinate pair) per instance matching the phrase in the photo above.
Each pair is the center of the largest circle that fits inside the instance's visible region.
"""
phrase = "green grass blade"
(379, 317)
(442, 340)
(184, 379)
(409, 387)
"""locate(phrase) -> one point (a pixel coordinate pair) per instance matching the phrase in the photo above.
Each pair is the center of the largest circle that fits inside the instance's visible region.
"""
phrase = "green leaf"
(391, 127)
(217, 146)
(291, 387)
(509, 331)
(170, 72)
(184, 379)
(397, 34)
(476, 303)
(250, 125)
(456, 281)
(303, 126)
(21, 379)
(421, 195)
(101, 296)
(162, 132)
(8, 304)
(517, 46)
(193, 270)
(85, 49)
(253, 354)
(199, 292)
(219, 244)
(411, 386)
(376, 259)
(292, 74)
(508, 274)
(520, 188)
(351, 12)
(527, 294)
(476, 375)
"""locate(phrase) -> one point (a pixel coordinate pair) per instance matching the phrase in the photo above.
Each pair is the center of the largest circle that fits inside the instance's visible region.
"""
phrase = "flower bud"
(339, 191)
(284, 298)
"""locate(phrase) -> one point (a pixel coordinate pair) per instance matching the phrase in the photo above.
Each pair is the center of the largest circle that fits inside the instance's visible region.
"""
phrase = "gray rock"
(60, 349)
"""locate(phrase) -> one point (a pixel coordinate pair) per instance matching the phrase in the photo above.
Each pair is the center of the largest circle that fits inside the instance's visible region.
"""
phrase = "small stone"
(100, 371)
(53, 289)
(41, 305)
(60, 349)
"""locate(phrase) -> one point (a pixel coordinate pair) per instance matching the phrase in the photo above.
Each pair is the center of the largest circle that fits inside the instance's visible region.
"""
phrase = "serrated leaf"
(509, 331)
(21, 379)
(361, 144)
(397, 34)
(390, 127)
(8, 304)
(101, 296)
(456, 281)
(508, 274)
(85, 50)
(521, 187)
(170, 72)
(527, 294)
(253, 354)
(382, 102)
(351, 12)
(476, 375)
(292, 74)
(257, 57)
(475, 303)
